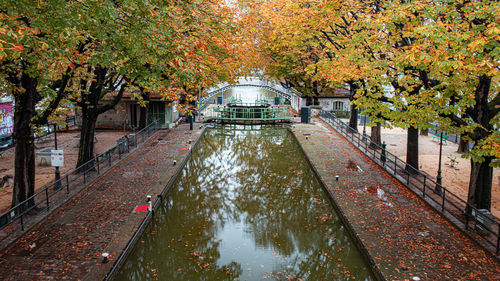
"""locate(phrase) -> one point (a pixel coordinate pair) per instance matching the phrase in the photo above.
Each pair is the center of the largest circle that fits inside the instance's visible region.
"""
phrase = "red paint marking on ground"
(141, 208)
(184, 148)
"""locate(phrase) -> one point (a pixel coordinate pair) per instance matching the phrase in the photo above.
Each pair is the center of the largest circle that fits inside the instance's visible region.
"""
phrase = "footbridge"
(290, 95)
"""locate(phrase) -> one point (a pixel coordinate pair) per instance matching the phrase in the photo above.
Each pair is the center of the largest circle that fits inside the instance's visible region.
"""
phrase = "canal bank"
(70, 242)
(247, 206)
(404, 237)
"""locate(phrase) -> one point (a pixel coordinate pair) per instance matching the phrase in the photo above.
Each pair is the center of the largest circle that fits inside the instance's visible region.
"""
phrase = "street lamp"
(363, 117)
(438, 178)
(199, 104)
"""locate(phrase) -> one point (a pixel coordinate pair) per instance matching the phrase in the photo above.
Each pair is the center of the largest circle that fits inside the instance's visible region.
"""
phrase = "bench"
(438, 137)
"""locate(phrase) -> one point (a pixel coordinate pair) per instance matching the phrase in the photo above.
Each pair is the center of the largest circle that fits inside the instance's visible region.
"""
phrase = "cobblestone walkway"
(404, 236)
(68, 244)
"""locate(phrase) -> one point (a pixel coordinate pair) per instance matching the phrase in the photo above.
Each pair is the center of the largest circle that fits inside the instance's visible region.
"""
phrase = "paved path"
(68, 244)
(403, 235)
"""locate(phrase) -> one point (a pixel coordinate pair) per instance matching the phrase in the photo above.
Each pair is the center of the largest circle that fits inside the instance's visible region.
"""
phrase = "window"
(338, 106)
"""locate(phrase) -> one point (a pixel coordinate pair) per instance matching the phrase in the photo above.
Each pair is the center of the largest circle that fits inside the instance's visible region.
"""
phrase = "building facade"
(6, 117)
(337, 101)
(126, 114)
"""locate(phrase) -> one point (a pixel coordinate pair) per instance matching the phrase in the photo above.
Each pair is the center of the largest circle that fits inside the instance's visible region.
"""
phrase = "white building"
(6, 116)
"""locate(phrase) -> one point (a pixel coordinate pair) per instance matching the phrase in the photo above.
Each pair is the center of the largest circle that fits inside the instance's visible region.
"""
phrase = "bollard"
(148, 199)
(382, 157)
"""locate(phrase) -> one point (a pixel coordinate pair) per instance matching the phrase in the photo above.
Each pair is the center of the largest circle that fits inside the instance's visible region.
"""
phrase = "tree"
(36, 63)
(449, 51)
(410, 62)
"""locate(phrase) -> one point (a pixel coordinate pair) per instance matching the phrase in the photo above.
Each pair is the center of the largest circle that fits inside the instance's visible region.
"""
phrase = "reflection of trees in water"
(183, 244)
(259, 177)
(286, 210)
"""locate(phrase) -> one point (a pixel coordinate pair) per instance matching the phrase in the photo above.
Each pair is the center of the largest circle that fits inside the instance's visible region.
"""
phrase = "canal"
(246, 206)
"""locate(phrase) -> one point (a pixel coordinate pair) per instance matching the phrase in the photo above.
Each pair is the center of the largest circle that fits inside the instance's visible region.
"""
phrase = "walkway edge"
(457, 224)
(343, 217)
(146, 221)
(70, 197)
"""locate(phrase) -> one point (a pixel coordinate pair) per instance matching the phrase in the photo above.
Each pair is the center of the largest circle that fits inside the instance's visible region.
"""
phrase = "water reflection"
(246, 207)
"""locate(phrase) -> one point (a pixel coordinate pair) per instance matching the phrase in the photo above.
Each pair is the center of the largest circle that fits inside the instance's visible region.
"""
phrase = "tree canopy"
(410, 63)
(406, 63)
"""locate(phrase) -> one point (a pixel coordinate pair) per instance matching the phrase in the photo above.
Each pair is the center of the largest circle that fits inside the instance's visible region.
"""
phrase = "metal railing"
(27, 213)
(460, 212)
(251, 112)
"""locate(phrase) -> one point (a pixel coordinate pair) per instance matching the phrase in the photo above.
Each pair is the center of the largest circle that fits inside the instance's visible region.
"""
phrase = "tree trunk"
(24, 163)
(86, 148)
(481, 174)
(308, 101)
(143, 111)
(91, 109)
(412, 150)
(376, 136)
(481, 177)
(143, 116)
(353, 117)
(463, 146)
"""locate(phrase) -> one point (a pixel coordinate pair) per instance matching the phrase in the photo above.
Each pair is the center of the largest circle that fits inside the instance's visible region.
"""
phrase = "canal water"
(247, 206)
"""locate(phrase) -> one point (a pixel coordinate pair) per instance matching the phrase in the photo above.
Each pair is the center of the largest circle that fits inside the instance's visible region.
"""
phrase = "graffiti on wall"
(6, 119)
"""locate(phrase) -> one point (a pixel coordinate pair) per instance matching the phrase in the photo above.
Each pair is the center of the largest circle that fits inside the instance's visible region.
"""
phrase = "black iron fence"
(29, 212)
(341, 113)
(486, 227)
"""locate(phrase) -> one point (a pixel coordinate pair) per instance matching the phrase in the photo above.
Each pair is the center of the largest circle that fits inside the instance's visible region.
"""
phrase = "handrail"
(460, 212)
(285, 95)
(71, 183)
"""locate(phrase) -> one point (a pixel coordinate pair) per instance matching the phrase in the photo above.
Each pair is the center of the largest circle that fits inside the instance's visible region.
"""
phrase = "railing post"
(467, 217)
(109, 158)
(67, 184)
(21, 221)
(498, 238)
(395, 164)
(423, 190)
(47, 197)
(84, 176)
(97, 159)
(442, 204)
(382, 157)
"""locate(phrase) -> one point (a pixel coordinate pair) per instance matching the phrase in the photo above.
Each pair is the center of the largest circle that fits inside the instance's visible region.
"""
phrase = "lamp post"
(57, 179)
(199, 105)
(363, 117)
(438, 178)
